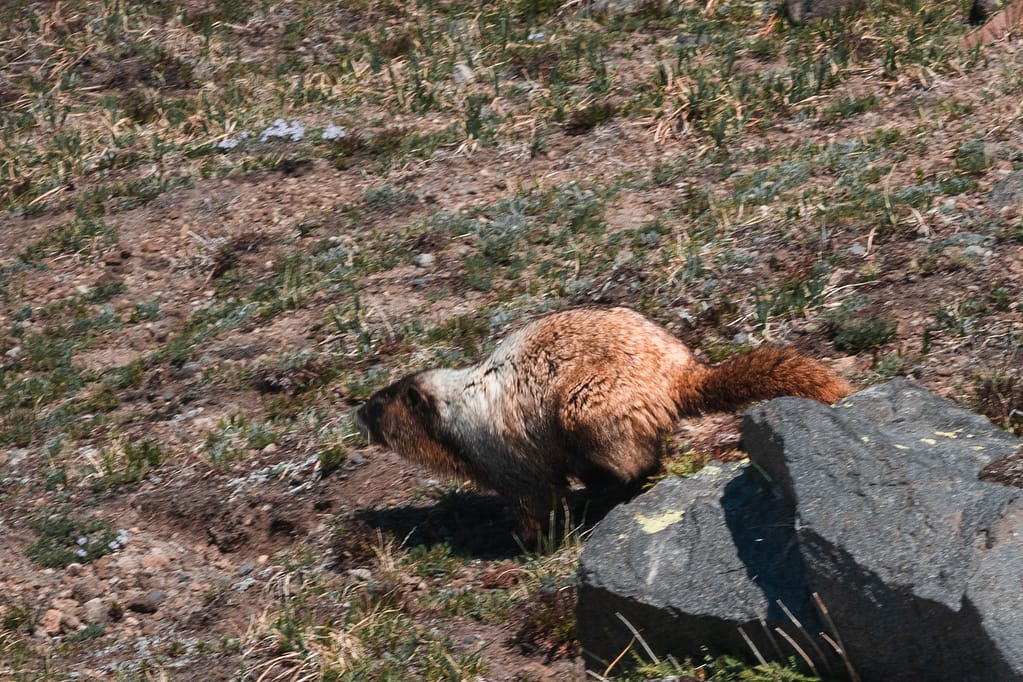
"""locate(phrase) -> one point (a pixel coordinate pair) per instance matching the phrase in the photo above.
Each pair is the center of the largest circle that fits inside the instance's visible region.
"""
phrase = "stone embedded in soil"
(70, 623)
(144, 602)
(96, 611)
(154, 559)
(56, 620)
(50, 622)
(1007, 192)
(67, 606)
(127, 563)
(87, 588)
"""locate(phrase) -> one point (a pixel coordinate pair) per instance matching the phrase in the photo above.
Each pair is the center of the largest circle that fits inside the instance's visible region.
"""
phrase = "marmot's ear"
(414, 399)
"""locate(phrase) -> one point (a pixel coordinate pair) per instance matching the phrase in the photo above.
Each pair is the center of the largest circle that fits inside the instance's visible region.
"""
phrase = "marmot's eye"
(374, 409)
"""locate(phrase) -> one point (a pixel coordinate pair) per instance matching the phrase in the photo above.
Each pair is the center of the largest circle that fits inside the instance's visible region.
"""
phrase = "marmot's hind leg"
(616, 454)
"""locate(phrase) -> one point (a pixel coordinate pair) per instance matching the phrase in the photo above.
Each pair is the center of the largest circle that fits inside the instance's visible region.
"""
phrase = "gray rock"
(976, 252)
(144, 603)
(897, 533)
(968, 239)
(1007, 192)
(462, 74)
(96, 611)
(690, 563)
(963, 439)
(425, 260)
(874, 505)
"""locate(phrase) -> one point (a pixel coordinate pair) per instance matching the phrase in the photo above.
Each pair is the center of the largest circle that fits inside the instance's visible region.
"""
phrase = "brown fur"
(584, 394)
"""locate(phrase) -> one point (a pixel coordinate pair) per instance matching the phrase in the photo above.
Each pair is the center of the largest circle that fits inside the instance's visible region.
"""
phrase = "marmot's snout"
(367, 420)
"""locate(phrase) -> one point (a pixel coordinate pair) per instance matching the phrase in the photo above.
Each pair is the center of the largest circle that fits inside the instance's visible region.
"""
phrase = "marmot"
(587, 394)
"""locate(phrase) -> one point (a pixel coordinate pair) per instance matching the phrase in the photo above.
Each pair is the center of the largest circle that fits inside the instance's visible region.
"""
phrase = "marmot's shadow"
(478, 525)
(471, 523)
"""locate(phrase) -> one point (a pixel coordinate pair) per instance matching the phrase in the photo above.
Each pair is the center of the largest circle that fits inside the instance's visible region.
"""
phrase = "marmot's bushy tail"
(766, 373)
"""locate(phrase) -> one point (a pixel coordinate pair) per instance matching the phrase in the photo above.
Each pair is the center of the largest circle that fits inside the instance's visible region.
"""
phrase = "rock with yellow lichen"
(859, 539)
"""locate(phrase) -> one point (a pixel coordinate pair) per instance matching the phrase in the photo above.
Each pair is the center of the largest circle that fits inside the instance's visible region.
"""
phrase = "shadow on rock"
(763, 531)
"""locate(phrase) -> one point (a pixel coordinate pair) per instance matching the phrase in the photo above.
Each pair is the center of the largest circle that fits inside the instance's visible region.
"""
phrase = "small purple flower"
(283, 129)
(82, 540)
(80, 553)
(333, 132)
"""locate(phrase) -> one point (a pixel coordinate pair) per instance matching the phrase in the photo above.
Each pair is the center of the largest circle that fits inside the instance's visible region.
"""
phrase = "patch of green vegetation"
(853, 336)
(718, 351)
(431, 562)
(18, 618)
(721, 669)
(396, 146)
(90, 631)
(794, 298)
(63, 539)
(9, 289)
(999, 397)
(233, 437)
(126, 376)
(17, 426)
(292, 374)
(547, 622)
(960, 317)
(852, 332)
(330, 458)
(683, 461)
(372, 640)
(86, 235)
(765, 185)
(583, 120)
(492, 605)
(976, 156)
(887, 366)
(849, 106)
(17, 655)
(128, 462)
(204, 325)
(467, 333)
(44, 372)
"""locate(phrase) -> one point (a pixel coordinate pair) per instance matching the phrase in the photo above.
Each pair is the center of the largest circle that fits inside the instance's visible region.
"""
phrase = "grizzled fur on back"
(584, 394)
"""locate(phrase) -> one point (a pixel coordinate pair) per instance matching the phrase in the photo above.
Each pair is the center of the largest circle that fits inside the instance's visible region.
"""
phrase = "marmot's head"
(404, 418)
(393, 411)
